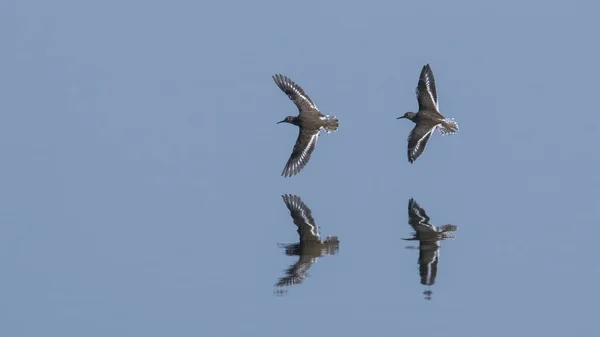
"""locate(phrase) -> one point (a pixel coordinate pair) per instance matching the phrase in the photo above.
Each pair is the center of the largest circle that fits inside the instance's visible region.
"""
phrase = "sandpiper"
(310, 247)
(310, 121)
(429, 247)
(428, 118)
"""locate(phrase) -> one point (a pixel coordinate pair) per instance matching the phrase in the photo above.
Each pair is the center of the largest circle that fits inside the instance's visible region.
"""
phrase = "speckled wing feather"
(417, 217)
(305, 145)
(426, 90)
(297, 272)
(428, 261)
(295, 93)
(418, 138)
(302, 216)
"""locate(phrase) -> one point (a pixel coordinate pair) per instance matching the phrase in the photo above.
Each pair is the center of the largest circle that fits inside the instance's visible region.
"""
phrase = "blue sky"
(141, 164)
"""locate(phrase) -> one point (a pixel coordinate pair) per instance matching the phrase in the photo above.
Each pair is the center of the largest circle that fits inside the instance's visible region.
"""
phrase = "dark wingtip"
(278, 78)
(286, 173)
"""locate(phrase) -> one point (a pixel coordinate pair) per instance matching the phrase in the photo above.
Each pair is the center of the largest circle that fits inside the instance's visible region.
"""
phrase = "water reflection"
(310, 247)
(428, 236)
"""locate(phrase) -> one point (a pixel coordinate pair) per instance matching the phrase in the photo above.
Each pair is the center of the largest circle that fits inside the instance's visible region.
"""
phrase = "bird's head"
(409, 115)
(288, 119)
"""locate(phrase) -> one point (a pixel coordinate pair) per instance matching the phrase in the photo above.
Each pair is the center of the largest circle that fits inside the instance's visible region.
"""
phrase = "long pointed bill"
(281, 122)
(401, 117)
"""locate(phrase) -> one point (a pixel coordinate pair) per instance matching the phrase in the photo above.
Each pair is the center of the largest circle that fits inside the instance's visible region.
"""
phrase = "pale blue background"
(140, 185)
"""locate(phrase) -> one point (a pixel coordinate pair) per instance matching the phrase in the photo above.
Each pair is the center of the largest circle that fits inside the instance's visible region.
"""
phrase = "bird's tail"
(331, 123)
(448, 228)
(448, 126)
(447, 231)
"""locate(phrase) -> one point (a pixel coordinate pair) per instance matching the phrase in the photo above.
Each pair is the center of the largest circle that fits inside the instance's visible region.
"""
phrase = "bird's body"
(428, 118)
(310, 122)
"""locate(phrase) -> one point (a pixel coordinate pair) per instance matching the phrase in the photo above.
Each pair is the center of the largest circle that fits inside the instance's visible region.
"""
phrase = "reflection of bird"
(428, 237)
(310, 121)
(310, 247)
(428, 118)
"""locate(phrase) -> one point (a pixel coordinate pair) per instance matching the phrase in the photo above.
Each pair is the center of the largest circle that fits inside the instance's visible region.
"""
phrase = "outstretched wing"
(297, 272)
(426, 90)
(295, 93)
(417, 217)
(418, 138)
(304, 147)
(302, 216)
(429, 254)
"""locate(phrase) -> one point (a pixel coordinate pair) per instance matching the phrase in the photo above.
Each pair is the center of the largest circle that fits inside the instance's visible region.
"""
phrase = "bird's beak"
(281, 121)
(401, 117)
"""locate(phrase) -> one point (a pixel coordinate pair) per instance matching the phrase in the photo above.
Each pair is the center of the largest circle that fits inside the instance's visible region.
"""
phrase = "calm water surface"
(141, 191)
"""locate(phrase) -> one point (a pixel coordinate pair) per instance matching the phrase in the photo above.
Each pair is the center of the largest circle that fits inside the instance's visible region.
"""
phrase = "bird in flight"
(428, 118)
(310, 121)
